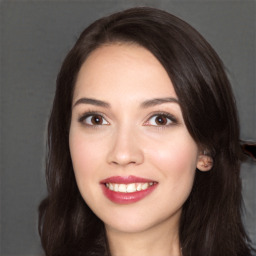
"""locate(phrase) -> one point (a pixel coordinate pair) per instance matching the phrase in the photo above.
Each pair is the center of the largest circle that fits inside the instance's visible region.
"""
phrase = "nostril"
(125, 151)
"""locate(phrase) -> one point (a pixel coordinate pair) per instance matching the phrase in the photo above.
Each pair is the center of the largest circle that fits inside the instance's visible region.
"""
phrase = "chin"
(139, 222)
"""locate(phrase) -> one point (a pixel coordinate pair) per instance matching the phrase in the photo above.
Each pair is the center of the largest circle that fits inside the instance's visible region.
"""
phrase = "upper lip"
(125, 180)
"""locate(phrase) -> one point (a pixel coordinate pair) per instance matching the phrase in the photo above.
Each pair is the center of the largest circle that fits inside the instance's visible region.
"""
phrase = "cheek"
(181, 152)
(85, 157)
(176, 159)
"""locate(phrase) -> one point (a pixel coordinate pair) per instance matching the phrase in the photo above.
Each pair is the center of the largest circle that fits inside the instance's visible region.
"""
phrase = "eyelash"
(164, 115)
(91, 114)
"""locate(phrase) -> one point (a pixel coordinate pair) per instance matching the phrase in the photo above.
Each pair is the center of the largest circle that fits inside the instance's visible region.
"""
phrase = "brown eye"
(94, 119)
(161, 120)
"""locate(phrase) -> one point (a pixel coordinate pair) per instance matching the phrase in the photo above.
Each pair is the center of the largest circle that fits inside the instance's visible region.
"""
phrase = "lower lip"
(127, 198)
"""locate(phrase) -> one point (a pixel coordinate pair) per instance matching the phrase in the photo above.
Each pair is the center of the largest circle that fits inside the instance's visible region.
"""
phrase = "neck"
(151, 242)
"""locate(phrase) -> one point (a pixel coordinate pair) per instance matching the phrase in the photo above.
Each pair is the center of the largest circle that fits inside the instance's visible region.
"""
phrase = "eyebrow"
(94, 102)
(158, 101)
(145, 104)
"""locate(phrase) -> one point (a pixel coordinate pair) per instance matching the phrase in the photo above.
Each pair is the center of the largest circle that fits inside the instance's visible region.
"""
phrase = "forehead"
(123, 69)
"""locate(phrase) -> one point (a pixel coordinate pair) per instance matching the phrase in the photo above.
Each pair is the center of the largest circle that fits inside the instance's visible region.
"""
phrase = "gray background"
(35, 37)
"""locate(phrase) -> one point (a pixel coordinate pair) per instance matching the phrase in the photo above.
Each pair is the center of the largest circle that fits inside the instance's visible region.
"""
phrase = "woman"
(143, 145)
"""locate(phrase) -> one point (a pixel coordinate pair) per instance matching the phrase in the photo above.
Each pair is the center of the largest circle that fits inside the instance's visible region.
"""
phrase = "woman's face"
(133, 157)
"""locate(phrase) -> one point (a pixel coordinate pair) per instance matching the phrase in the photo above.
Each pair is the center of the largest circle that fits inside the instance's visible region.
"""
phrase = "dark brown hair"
(211, 217)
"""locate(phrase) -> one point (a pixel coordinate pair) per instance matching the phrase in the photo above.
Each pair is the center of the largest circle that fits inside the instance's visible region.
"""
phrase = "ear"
(204, 162)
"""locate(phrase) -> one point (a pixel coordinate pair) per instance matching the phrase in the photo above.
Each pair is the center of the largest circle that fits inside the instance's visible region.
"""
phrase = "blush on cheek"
(87, 156)
(177, 164)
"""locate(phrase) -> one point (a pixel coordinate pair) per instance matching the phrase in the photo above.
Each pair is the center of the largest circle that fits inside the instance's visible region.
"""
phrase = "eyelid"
(87, 114)
(172, 118)
(167, 115)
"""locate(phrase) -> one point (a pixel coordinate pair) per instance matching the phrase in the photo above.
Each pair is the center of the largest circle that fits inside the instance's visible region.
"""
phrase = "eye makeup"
(93, 118)
(161, 119)
(157, 119)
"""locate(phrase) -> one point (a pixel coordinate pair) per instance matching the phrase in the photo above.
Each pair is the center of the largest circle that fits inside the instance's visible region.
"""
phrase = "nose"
(125, 148)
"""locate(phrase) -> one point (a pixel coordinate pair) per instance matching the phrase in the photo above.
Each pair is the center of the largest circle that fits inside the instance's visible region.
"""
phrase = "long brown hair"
(211, 217)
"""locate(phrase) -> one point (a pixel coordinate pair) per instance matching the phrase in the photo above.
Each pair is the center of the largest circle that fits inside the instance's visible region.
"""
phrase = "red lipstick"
(127, 189)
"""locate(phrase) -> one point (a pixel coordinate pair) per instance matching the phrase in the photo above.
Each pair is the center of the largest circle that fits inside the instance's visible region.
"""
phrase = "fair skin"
(118, 128)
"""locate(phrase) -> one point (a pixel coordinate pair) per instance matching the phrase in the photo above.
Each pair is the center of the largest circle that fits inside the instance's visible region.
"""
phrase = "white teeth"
(139, 187)
(131, 188)
(144, 186)
(111, 187)
(128, 188)
(116, 187)
(122, 188)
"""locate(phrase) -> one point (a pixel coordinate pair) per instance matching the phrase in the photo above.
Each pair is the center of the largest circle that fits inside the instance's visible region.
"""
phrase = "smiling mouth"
(129, 188)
